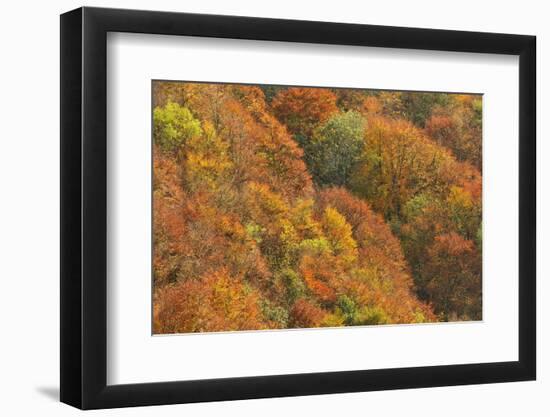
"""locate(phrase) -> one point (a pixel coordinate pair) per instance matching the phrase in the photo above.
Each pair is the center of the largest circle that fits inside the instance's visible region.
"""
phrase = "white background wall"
(29, 225)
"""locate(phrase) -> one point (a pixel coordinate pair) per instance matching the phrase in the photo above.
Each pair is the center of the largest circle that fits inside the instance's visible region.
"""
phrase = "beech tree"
(335, 148)
(398, 162)
(458, 127)
(302, 109)
(453, 275)
(215, 302)
(173, 126)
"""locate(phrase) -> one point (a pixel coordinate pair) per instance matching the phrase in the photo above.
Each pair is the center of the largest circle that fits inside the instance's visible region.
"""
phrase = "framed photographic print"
(257, 208)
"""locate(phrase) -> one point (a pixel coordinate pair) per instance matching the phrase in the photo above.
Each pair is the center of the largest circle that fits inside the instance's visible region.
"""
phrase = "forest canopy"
(289, 207)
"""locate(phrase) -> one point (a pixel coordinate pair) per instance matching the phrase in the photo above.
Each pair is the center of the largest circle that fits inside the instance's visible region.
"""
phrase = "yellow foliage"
(340, 235)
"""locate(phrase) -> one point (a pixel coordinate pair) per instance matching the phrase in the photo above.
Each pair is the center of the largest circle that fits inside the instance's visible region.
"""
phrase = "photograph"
(288, 207)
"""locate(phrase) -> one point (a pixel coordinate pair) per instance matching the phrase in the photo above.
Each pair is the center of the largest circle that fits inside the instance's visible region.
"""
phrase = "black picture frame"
(84, 207)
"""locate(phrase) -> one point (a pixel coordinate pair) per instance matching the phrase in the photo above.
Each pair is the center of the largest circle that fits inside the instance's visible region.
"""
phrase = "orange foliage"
(453, 272)
(305, 314)
(371, 105)
(458, 128)
(260, 146)
(399, 162)
(301, 109)
(385, 280)
(320, 277)
(243, 240)
(215, 302)
(164, 92)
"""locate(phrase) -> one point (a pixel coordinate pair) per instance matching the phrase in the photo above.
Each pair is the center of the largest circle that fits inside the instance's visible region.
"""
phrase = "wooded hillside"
(278, 207)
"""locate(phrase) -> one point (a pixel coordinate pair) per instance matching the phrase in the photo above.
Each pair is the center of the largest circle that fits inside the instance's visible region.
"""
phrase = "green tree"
(335, 148)
(173, 126)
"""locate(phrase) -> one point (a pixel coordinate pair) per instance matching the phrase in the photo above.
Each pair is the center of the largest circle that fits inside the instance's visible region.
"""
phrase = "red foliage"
(305, 314)
(453, 271)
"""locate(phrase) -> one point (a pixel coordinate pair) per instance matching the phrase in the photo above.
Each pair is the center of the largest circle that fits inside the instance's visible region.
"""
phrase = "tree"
(350, 99)
(415, 107)
(283, 157)
(205, 163)
(173, 126)
(458, 127)
(305, 314)
(215, 302)
(398, 162)
(380, 284)
(339, 234)
(302, 109)
(258, 145)
(168, 225)
(271, 91)
(335, 148)
(453, 274)
(418, 106)
(165, 92)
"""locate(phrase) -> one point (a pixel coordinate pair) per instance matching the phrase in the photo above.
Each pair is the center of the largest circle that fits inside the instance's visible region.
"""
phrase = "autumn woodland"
(280, 207)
